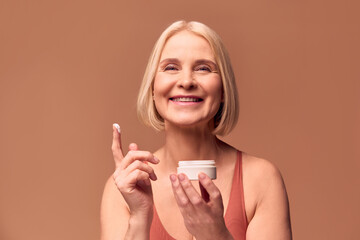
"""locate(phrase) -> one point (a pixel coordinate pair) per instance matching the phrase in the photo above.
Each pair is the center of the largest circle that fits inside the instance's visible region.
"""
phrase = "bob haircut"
(227, 115)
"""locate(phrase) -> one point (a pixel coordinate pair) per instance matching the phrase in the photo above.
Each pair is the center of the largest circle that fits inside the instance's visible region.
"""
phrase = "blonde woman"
(189, 92)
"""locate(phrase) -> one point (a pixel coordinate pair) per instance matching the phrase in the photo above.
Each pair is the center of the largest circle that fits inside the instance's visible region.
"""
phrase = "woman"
(189, 92)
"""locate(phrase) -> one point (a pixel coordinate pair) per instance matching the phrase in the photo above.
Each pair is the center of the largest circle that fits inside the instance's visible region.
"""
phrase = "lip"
(196, 99)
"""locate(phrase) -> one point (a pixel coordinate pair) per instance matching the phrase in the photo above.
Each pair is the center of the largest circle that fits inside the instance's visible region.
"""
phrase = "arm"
(127, 204)
(272, 218)
(115, 220)
(114, 214)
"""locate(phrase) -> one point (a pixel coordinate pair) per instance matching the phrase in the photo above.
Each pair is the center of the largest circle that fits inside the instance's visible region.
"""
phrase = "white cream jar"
(193, 168)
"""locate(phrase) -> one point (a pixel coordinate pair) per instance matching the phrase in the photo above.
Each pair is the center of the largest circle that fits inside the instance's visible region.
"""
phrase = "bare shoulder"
(266, 199)
(114, 212)
(260, 171)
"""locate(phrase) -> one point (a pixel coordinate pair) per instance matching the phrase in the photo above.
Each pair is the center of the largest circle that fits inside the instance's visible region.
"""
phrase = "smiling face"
(187, 86)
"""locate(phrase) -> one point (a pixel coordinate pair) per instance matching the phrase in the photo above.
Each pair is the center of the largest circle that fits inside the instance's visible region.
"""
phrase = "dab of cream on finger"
(117, 127)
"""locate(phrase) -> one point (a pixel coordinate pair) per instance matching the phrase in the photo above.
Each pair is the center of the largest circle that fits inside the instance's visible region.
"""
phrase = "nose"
(187, 80)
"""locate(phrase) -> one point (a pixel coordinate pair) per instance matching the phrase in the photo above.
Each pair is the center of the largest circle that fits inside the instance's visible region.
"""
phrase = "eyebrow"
(199, 61)
(206, 61)
(169, 60)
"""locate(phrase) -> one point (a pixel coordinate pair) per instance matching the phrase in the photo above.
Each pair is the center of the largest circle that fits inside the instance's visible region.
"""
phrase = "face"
(187, 86)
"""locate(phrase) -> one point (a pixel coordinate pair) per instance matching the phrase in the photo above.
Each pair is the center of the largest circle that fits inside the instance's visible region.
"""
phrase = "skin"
(143, 180)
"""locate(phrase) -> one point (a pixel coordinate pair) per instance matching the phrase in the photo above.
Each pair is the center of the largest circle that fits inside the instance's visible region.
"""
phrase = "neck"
(189, 144)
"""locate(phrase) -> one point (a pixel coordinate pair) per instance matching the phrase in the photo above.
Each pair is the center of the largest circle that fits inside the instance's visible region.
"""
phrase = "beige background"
(69, 69)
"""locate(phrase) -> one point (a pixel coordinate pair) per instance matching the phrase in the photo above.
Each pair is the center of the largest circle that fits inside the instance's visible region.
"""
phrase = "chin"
(190, 123)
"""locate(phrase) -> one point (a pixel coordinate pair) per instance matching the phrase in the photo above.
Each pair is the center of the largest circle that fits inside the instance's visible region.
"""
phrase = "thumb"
(133, 147)
(204, 193)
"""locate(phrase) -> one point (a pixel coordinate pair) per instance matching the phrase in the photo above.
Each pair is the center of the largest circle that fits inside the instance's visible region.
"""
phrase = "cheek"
(217, 91)
(220, 89)
(158, 92)
(215, 88)
(161, 85)
(157, 88)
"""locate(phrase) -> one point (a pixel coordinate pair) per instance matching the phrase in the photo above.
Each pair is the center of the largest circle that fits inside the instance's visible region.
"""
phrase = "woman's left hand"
(203, 216)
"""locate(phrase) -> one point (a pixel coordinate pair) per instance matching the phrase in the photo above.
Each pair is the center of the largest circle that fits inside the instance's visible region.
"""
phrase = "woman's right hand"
(132, 176)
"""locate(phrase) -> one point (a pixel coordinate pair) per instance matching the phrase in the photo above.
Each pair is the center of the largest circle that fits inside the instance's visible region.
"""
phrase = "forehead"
(187, 44)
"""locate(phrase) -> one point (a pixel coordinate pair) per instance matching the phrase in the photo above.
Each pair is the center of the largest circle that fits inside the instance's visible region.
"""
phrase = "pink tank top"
(235, 216)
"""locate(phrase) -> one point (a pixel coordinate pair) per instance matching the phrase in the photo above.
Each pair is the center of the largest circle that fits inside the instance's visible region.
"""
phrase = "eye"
(203, 68)
(171, 67)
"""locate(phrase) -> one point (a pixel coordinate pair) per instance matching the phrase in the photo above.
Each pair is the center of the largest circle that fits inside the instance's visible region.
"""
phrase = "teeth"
(186, 99)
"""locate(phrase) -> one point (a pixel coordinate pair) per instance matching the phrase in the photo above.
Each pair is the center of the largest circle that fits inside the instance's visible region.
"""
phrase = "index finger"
(116, 144)
(143, 156)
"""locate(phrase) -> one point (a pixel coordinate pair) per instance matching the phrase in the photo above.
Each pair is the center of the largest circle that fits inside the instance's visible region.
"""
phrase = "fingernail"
(117, 127)
(173, 177)
(153, 176)
(156, 159)
(181, 177)
(202, 175)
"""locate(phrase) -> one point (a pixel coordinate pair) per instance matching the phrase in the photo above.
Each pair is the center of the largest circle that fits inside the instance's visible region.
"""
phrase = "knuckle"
(190, 224)
(116, 173)
(197, 201)
(145, 174)
(131, 153)
(137, 163)
(140, 174)
(193, 222)
(120, 184)
(148, 170)
(137, 172)
(186, 184)
(208, 220)
(184, 202)
(217, 195)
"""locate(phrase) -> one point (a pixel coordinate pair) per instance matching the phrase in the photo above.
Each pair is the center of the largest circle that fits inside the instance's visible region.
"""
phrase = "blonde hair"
(227, 115)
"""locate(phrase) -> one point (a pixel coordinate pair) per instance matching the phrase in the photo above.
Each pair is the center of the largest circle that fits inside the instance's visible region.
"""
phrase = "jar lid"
(196, 162)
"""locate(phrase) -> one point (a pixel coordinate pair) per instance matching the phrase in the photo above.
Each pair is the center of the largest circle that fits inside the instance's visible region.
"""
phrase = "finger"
(137, 176)
(116, 145)
(134, 147)
(145, 185)
(204, 194)
(181, 198)
(117, 173)
(143, 167)
(117, 132)
(131, 156)
(211, 189)
(147, 182)
(190, 191)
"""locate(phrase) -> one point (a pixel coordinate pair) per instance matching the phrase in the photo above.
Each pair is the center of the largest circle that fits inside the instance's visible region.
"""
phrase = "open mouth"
(186, 99)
